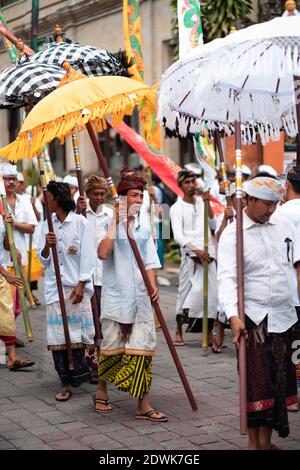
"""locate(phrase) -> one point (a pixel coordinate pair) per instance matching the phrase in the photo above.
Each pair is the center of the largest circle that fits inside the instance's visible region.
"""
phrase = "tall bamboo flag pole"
(297, 87)
(95, 309)
(30, 236)
(144, 274)
(240, 276)
(205, 280)
(34, 25)
(34, 46)
(17, 270)
(56, 266)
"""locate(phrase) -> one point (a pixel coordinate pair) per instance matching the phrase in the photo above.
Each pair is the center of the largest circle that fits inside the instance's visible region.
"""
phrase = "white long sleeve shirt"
(188, 225)
(291, 210)
(99, 222)
(268, 272)
(124, 295)
(23, 213)
(76, 255)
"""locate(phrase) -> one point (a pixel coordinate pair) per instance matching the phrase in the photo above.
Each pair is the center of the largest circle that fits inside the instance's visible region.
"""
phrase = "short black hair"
(295, 186)
(62, 193)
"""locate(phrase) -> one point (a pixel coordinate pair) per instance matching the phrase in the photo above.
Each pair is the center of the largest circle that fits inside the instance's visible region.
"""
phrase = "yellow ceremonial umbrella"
(81, 103)
(75, 104)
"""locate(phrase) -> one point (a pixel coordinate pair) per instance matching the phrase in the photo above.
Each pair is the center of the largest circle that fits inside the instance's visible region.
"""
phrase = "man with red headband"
(127, 322)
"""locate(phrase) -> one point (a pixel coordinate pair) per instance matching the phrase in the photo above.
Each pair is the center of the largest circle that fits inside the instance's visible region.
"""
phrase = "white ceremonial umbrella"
(245, 83)
(249, 76)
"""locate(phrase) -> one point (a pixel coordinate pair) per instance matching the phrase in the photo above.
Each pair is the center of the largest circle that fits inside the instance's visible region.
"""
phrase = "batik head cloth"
(267, 189)
(131, 182)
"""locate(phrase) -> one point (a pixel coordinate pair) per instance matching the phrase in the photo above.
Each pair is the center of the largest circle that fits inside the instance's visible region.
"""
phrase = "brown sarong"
(271, 377)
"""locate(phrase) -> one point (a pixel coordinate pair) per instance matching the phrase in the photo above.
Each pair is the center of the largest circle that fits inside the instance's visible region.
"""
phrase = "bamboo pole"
(240, 277)
(17, 270)
(27, 289)
(205, 280)
(31, 235)
(297, 96)
(95, 309)
(144, 274)
(56, 266)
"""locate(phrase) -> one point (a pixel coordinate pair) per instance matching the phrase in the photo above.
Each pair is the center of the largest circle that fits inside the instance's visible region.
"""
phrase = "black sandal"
(102, 401)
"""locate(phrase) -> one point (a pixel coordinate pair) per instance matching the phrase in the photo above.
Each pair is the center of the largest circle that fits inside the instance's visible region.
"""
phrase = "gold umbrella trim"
(30, 143)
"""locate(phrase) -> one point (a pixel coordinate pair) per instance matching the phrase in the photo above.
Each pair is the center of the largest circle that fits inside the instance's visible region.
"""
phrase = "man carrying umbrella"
(187, 224)
(127, 322)
(270, 313)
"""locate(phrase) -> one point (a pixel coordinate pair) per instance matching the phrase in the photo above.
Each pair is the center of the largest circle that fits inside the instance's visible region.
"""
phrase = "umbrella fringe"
(30, 143)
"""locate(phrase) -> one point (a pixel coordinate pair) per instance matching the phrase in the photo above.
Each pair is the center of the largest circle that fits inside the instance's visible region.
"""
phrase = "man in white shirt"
(77, 260)
(297, 266)
(99, 216)
(291, 210)
(269, 309)
(7, 317)
(128, 328)
(187, 218)
(22, 217)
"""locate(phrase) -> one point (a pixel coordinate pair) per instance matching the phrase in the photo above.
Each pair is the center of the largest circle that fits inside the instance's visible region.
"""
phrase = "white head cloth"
(8, 170)
(265, 188)
(268, 169)
(71, 180)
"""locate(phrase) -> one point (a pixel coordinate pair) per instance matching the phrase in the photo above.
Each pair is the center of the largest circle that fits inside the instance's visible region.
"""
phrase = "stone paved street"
(30, 418)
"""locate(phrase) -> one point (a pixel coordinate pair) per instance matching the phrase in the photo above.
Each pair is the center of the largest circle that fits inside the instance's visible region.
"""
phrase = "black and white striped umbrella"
(28, 83)
(88, 60)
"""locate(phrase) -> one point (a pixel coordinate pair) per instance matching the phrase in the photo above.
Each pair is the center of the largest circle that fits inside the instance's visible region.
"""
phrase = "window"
(117, 152)
(57, 154)
(4, 3)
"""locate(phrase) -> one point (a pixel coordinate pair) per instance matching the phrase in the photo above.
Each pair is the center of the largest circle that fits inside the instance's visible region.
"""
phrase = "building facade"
(100, 23)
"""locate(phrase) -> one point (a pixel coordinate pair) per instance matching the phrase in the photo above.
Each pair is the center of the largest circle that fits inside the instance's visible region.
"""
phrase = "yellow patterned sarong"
(7, 320)
(131, 374)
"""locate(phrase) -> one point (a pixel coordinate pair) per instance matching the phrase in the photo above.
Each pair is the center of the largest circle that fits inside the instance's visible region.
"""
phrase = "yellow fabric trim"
(139, 352)
(112, 352)
(61, 111)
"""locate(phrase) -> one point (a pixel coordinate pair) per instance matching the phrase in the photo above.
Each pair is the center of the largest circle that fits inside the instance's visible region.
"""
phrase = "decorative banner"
(34, 25)
(161, 165)
(190, 25)
(9, 46)
(8, 35)
(205, 156)
(133, 46)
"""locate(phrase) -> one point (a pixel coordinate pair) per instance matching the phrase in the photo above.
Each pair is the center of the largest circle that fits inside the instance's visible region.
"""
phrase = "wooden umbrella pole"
(240, 276)
(205, 281)
(56, 266)
(297, 96)
(143, 272)
(31, 235)
(95, 309)
(17, 270)
(223, 169)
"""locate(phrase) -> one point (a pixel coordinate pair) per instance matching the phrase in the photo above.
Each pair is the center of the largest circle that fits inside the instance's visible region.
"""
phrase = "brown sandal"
(20, 364)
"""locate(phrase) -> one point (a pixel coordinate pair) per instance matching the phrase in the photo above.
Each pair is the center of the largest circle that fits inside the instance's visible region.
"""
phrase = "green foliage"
(172, 253)
(218, 16)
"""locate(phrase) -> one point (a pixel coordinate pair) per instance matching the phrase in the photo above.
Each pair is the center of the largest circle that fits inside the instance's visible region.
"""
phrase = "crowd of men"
(96, 259)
